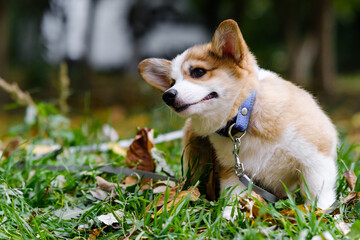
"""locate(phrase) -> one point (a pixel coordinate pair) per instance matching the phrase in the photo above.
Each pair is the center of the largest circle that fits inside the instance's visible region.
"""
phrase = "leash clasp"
(239, 166)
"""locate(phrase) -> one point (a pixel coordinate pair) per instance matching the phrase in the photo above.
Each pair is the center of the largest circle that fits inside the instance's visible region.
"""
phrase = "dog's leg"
(320, 180)
(229, 178)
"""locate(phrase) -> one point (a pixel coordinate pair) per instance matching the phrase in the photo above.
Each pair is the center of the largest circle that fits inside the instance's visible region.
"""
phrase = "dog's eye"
(197, 72)
(172, 82)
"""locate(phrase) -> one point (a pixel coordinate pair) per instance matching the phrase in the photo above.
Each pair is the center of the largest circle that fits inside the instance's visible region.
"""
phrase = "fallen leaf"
(99, 194)
(175, 195)
(350, 179)
(351, 196)
(192, 192)
(343, 227)
(130, 180)
(161, 186)
(110, 220)
(139, 153)
(105, 185)
(86, 226)
(165, 183)
(250, 205)
(171, 192)
(104, 190)
(69, 213)
(95, 232)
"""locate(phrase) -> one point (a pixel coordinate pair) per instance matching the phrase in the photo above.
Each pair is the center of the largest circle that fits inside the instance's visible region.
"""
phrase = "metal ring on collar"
(231, 136)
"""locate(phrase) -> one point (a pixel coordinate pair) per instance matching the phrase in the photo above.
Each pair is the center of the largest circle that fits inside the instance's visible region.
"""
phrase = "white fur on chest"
(269, 163)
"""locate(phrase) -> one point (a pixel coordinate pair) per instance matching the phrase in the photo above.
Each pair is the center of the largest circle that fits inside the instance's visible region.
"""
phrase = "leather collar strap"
(241, 120)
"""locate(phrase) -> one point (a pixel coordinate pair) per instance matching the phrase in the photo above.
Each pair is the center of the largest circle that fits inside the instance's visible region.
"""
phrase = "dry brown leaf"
(129, 181)
(161, 186)
(291, 213)
(139, 153)
(105, 185)
(350, 179)
(172, 193)
(161, 200)
(194, 196)
(95, 233)
(351, 196)
(249, 204)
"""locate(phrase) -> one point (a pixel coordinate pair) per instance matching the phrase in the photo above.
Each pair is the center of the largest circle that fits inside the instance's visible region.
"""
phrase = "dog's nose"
(169, 97)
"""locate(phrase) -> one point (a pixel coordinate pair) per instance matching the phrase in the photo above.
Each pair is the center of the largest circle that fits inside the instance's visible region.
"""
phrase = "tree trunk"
(325, 64)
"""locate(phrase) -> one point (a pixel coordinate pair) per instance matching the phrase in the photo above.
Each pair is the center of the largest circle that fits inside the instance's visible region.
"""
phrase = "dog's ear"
(228, 41)
(156, 72)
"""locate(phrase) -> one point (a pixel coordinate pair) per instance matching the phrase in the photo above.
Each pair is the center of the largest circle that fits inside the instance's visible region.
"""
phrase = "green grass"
(36, 203)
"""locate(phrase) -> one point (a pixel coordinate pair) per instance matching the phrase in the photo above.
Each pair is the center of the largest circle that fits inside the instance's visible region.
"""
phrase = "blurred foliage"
(123, 92)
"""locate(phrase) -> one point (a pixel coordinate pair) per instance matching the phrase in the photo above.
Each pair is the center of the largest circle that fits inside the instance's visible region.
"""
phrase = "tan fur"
(287, 103)
(288, 134)
(160, 69)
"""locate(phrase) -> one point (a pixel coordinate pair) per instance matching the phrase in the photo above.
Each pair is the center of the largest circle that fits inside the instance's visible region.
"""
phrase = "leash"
(104, 147)
(239, 124)
(108, 169)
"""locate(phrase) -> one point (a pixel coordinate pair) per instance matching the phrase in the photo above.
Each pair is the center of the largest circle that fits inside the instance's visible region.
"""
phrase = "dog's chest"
(263, 161)
(253, 151)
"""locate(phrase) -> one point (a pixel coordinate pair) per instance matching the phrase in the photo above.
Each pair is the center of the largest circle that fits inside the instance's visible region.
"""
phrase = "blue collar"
(241, 120)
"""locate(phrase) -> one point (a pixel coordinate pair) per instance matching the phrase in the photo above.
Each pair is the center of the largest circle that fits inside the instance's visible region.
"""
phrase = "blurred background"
(314, 44)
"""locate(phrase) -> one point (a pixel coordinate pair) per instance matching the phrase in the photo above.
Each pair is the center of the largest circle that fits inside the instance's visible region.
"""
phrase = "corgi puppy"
(288, 137)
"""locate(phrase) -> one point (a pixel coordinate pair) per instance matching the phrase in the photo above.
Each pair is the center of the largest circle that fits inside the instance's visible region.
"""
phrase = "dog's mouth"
(185, 106)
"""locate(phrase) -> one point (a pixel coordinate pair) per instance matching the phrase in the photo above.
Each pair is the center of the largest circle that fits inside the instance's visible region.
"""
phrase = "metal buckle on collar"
(239, 166)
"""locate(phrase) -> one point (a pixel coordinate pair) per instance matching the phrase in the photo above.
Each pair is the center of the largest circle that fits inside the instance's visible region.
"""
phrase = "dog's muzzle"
(169, 97)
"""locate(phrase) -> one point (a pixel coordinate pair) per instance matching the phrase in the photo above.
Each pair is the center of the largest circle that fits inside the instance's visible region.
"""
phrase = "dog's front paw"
(227, 214)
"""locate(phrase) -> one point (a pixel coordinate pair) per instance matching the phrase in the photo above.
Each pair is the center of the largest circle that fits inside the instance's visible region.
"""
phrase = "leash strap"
(108, 169)
(262, 192)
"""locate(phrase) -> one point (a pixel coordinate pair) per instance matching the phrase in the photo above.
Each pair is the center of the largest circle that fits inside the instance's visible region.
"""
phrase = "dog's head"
(205, 80)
